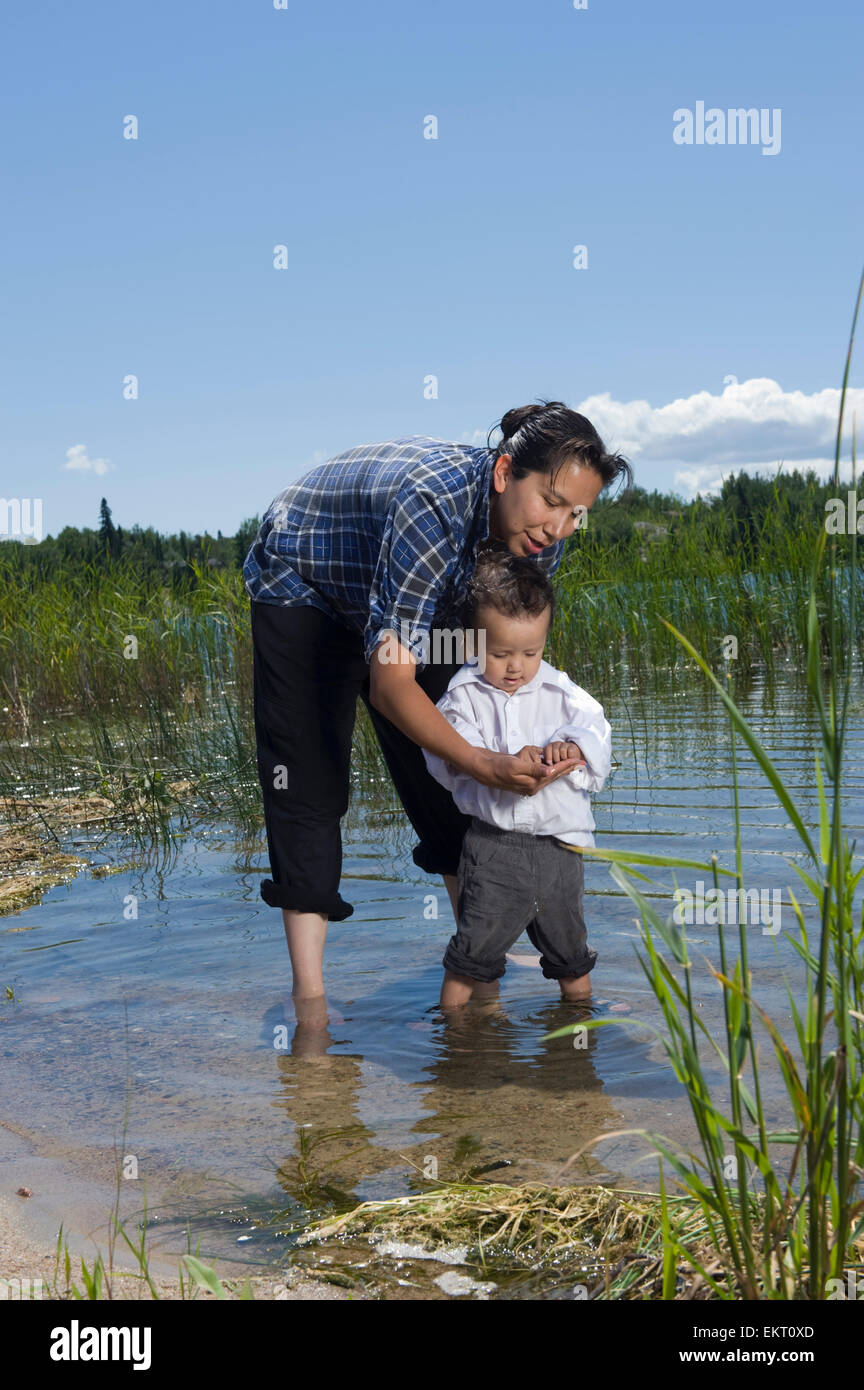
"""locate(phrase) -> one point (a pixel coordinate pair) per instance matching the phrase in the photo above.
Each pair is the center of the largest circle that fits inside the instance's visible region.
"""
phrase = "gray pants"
(510, 882)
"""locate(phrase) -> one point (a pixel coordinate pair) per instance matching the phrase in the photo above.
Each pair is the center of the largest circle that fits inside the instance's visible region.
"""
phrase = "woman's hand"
(523, 772)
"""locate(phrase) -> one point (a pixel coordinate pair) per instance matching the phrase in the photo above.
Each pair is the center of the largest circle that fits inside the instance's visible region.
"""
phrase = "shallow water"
(239, 1122)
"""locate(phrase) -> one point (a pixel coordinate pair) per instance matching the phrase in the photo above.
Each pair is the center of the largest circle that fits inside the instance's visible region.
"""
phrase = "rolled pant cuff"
(461, 965)
(573, 970)
(283, 895)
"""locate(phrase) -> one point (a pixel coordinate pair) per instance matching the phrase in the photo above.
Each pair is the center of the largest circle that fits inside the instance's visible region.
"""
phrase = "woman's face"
(529, 514)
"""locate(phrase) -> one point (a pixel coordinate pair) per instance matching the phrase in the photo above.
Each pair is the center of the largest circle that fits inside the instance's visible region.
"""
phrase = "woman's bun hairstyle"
(540, 437)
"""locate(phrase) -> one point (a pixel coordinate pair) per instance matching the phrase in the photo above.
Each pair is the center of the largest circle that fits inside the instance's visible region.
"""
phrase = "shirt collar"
(484, 473)
(545, 675)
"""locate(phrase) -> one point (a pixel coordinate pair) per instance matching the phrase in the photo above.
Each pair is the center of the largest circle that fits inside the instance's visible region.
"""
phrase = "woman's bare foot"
(310, 1010)
(311, 1037)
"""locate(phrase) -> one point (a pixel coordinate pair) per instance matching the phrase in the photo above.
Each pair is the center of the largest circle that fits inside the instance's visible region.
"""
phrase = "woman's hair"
(511, 584)
(539, 438)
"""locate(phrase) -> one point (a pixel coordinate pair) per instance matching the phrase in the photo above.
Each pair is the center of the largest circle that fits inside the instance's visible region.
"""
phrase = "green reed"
(113, 683)
(111, 636)
(804, 1225)
(104, 637)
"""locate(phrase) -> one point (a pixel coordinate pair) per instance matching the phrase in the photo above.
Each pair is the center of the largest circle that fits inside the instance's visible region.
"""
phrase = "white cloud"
(77, 458)
(751, 424)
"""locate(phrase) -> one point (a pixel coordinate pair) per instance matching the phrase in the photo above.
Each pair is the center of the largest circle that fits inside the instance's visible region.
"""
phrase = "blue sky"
(409, 257)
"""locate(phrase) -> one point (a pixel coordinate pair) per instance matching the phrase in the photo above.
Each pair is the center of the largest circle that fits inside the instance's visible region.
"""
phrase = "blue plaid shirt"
(384, 536)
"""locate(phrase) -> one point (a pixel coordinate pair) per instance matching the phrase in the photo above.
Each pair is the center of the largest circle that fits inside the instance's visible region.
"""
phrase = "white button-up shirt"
(548, 708)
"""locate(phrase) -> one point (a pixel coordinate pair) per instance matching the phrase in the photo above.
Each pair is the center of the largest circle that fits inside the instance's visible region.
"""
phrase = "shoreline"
(29, 1232)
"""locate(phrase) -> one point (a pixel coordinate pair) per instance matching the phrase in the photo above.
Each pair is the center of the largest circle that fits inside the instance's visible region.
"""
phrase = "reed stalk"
(802, 1230)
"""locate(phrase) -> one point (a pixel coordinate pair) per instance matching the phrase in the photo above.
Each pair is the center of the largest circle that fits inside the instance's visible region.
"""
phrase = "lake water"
(170, 1018)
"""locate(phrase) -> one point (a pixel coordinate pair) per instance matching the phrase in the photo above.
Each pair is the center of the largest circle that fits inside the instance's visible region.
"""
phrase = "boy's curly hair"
(511, 584)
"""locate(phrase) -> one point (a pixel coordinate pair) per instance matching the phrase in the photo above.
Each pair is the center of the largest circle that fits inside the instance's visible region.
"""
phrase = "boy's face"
(513, 647)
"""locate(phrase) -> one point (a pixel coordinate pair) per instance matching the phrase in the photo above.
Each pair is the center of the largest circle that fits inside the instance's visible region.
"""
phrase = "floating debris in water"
(457, 1284)
(405, 1250)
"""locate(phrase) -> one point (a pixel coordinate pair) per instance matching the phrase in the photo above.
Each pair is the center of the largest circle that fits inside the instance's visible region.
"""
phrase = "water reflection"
(487, 1098)
(188, 1004)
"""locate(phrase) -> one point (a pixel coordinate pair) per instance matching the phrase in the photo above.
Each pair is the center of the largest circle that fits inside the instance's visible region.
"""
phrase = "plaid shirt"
(382, 537)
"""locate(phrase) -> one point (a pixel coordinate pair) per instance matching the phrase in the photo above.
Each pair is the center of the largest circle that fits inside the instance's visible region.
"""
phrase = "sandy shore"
(75, 1188)
(29, 1227)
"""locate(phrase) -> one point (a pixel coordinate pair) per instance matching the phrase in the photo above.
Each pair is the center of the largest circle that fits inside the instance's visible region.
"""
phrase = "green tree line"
(750, 520)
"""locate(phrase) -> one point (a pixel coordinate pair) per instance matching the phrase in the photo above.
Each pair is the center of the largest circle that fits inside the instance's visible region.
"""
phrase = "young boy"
(516, 873)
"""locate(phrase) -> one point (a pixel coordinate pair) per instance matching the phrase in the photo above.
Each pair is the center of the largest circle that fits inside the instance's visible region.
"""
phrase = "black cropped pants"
(308, 672)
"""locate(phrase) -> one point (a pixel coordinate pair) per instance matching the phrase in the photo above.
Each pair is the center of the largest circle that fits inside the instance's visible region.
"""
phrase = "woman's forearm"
(408, 706)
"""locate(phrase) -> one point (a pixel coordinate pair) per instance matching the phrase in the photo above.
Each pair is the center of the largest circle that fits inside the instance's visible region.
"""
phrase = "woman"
(353, 568)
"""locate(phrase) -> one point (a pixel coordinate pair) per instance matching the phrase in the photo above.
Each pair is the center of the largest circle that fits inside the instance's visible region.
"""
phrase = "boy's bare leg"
(305, 933)
(456, 990)
(575, 987)
(481, 989)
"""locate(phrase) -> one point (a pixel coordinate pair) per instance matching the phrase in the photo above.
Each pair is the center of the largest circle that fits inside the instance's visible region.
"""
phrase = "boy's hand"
(524, 772)
(560, 752)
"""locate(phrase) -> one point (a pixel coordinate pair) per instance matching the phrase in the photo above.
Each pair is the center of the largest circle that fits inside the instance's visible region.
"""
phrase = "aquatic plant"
(588, 1241)
(803, 1228)
(91, 635)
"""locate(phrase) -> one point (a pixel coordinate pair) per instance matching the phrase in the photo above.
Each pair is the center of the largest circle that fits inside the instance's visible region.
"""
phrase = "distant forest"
(747, 516)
